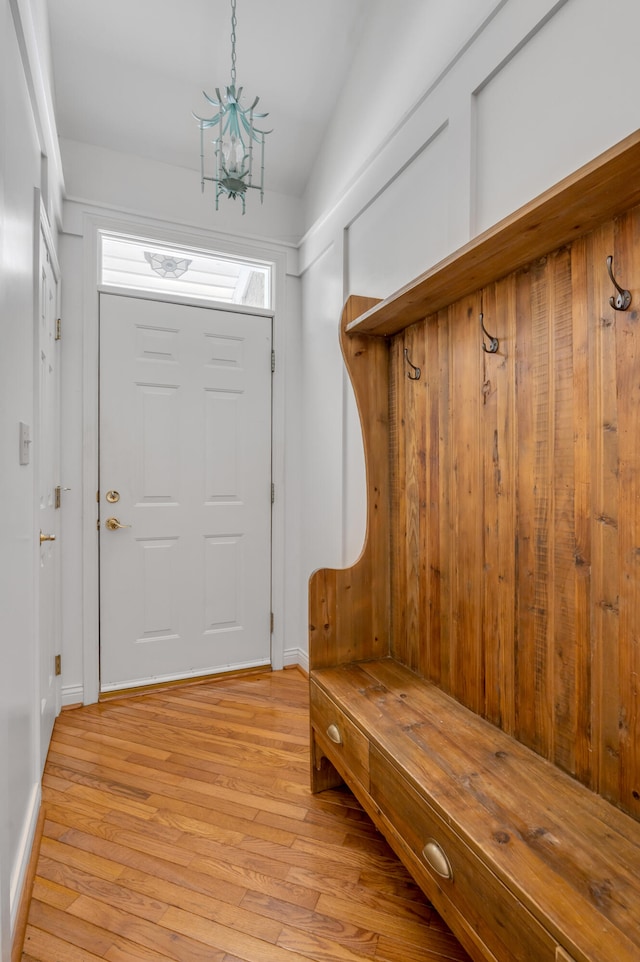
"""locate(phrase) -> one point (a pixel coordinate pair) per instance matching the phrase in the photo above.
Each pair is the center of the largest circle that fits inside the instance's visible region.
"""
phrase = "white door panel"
(185, 440)
(48, 474)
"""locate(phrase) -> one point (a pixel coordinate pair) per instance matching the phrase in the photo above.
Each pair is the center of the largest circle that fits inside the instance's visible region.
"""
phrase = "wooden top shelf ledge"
(601, 189)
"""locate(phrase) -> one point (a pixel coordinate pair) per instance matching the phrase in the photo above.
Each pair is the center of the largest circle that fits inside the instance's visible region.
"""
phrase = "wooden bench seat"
(540, 867)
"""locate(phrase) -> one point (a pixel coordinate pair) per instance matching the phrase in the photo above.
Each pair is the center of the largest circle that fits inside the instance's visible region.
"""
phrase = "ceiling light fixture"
(237, 133)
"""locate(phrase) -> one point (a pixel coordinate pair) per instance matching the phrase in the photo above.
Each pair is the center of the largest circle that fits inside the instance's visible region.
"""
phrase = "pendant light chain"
(234, 23)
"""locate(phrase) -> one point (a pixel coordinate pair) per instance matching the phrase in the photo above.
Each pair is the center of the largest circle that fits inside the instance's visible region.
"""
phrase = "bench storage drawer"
(340, 740)
(453, 876)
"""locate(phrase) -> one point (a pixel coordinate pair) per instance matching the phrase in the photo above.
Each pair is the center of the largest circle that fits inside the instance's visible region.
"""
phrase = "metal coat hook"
(416, 375)
(622, 300)
(493, 345)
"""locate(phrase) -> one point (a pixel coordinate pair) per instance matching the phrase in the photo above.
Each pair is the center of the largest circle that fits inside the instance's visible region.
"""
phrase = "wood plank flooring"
(180, 826)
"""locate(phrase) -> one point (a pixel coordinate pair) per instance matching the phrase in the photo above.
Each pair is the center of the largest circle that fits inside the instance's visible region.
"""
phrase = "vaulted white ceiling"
(128, 73)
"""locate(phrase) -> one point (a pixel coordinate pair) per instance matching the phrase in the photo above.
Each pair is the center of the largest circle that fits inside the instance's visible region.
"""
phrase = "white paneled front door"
(185, 469)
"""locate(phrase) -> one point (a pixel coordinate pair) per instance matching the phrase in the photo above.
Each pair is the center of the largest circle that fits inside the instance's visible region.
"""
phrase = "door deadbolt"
(113, 497)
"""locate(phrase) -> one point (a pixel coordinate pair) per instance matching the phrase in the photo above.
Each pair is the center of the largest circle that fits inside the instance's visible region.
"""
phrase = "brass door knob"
(46, 537)
(112, 524)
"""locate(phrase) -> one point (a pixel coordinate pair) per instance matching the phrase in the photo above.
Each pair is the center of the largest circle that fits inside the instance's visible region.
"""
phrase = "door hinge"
(273, 362)
(58, 664)
(272, 622)
(273, 493)
(58, 328)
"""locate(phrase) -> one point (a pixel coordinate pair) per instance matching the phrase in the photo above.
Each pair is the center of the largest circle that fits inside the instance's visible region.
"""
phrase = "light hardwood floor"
(180, 826)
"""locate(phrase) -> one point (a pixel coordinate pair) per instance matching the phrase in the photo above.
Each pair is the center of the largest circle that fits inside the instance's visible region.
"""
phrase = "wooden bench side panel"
(349, 609)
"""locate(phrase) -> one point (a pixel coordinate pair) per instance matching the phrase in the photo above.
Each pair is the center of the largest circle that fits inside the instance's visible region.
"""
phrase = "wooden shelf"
(600, 190)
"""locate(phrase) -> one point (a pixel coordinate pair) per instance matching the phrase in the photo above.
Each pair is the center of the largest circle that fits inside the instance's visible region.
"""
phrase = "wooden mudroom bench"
(519, 858)
(474, 675)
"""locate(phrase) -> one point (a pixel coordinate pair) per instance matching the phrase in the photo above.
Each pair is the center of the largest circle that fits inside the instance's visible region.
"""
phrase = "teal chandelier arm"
(233, 114)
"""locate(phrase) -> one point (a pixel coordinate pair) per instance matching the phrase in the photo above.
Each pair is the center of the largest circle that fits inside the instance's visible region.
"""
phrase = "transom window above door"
(144, 265)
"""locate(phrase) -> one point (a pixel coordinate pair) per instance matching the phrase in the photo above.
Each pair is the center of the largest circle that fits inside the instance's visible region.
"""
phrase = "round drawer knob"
(436, 858)
(333, 733)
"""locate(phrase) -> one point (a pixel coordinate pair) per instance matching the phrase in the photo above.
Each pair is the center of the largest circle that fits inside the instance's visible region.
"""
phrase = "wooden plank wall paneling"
(515, 507)
(628, 393)
(498, 420)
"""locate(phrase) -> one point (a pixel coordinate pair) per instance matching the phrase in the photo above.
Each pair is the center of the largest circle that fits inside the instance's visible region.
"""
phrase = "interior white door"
(185, 469)
(48, 474)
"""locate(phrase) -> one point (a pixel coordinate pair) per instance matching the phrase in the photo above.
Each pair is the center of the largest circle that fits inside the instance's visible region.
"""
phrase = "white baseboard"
(72, 695)
(296, 656)
(182, 676)
(21, 864)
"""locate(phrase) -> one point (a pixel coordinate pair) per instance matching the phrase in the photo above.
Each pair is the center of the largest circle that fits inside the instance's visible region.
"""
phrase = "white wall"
(405, 47)
(24, 133)
(5, 681)
(121, 182)
(454, 116)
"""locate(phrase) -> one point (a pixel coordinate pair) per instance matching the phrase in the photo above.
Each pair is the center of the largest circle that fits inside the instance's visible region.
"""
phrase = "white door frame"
(92, 225)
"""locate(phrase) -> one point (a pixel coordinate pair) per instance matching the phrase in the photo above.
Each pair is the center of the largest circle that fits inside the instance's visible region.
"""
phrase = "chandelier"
(235, 137)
